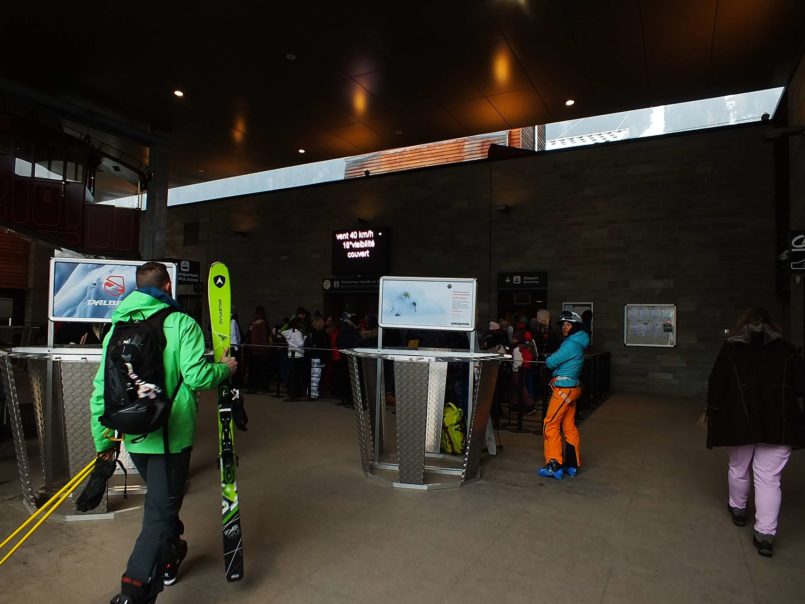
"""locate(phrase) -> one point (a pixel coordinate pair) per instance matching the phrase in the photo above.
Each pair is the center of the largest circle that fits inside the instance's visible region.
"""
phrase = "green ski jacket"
(183, 355)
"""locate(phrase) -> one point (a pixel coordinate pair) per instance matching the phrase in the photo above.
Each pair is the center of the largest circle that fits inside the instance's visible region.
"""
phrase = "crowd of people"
(753, 403)
(299, 356)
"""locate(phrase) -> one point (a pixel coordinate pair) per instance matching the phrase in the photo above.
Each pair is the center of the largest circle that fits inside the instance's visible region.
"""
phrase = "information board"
(649, 325)
(427, 303)
(89, 290)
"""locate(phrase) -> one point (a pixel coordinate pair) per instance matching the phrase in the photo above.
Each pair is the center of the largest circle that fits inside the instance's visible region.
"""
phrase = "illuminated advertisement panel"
(90, 290)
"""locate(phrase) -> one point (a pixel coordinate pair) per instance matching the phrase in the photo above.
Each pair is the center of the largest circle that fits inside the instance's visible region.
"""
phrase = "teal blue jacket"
(568, 361)
(184, 355)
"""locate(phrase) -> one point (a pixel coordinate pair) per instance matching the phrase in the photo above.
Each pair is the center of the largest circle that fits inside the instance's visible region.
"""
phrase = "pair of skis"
(219, 297)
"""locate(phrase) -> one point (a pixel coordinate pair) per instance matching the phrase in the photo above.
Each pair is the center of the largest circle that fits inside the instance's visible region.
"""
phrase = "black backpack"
(134, 397)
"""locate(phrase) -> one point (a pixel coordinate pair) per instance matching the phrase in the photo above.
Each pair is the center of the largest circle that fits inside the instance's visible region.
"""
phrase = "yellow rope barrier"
(53, 503)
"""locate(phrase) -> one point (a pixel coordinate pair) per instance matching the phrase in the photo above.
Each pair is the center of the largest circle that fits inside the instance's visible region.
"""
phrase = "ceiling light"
(570, 102)
(178, 93)
(301, 150)
(290, 56)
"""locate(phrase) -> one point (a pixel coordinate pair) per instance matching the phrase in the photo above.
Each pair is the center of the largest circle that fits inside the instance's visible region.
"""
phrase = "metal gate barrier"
(61, 385)
(419, 379)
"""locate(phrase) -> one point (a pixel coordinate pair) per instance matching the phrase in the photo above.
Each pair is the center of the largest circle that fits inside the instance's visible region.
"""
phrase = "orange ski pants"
(561, 418)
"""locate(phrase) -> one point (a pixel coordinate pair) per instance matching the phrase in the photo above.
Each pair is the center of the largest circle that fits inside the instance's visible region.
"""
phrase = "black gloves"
(239, 416)
(95, 488)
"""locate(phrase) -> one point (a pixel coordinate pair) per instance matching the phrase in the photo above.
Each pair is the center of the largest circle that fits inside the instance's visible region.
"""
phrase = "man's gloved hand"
(239, 416)
(93, 492)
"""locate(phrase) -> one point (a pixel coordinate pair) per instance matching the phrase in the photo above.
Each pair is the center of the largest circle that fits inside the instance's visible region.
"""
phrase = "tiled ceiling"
(344, 78)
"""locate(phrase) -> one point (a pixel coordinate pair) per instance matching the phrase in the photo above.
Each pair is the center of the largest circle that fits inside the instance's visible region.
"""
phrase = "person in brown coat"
(753, 410)
(258, 347)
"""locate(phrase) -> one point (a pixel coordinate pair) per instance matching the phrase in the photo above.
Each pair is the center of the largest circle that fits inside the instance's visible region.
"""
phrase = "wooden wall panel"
(14, 253)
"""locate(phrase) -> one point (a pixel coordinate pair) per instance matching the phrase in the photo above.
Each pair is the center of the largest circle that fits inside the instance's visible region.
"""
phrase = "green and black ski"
(218, 288)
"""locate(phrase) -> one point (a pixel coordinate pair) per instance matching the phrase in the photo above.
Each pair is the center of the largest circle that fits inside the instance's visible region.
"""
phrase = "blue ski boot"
(571, 471)
(552, 469)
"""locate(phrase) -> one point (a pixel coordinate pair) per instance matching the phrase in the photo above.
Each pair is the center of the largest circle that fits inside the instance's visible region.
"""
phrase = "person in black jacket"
(752, 409)
(348, 337)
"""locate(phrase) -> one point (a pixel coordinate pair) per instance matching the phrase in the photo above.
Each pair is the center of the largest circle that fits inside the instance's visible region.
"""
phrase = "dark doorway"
(521, 302)
(354, 303)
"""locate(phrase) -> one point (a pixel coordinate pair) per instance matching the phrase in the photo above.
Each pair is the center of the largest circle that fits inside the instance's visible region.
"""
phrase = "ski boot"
(136, 592)
(571, 471)
(175, 556)
(552, 469)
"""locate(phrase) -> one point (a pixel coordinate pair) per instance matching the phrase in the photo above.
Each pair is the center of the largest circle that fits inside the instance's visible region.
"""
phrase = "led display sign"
(361, 251)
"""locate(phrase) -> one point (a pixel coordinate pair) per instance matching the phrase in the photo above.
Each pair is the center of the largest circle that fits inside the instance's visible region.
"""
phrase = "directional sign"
(523, 280)
(796, 256)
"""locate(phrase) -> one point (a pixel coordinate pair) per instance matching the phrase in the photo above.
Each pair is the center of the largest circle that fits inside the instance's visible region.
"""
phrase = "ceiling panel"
(261, 80)
(678, 37)
(741, 38)
(519, 109)
(478, 115)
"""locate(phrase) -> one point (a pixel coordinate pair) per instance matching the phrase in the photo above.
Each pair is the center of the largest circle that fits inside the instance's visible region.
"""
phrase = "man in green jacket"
(159, 549)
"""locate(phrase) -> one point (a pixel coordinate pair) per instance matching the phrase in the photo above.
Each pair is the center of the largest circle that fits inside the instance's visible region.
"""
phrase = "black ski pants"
(165, 477)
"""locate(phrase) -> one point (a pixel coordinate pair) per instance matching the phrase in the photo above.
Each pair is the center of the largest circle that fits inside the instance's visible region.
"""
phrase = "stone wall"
(686, 219)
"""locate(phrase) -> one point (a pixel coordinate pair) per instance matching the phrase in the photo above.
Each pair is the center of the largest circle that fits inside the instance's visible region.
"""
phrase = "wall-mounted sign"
(90, 290)
(649, 325)
(361, 251)
(796, 256)
(188, 272)
(350, 285)
(523, 280)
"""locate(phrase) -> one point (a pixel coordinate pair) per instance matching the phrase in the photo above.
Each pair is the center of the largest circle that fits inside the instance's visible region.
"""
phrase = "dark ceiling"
(345, 78)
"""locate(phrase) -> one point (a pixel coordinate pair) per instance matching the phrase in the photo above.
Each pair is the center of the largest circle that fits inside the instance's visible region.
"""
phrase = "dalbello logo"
(114, 285)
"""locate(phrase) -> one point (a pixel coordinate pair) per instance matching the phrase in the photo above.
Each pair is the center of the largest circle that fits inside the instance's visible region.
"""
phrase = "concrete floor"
(646, 521)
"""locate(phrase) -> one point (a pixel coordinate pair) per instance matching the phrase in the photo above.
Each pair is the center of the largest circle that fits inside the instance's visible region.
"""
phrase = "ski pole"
(53, 503)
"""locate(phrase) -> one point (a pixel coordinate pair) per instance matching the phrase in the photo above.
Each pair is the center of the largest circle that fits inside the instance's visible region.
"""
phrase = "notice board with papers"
(649, 325)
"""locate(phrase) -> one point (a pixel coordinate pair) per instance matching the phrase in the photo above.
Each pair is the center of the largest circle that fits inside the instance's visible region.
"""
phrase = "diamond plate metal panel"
(437, 378)
(476, 428)
(76, 389)
(411, 384)
(15, 419)
(362, 414)
(369, 371)
(37, 373)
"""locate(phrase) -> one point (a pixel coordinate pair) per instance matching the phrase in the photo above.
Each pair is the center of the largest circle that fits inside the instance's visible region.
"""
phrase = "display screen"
(427, 303)
(361, 251)
(90, 290)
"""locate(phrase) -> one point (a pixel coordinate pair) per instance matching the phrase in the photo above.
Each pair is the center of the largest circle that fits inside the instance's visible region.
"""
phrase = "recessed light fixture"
(301, 150)
(178, 93)
(570, 102)
(290, 56)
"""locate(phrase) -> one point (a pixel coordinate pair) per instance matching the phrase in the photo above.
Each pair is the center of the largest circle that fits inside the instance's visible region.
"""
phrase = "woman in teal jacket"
(566, 365)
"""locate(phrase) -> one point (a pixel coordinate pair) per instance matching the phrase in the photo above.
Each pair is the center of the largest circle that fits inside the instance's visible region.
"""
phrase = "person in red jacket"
(752, 409)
